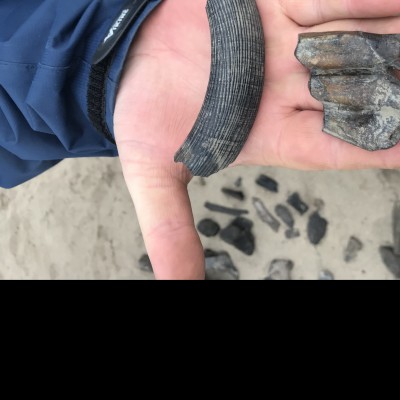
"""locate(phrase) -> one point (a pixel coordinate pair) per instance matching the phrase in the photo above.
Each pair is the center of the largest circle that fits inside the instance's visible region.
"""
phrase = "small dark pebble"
(236, 194)
(396, 227)
(326, 275)
(297, 203)
(145, 263)
(208, 227)
(225, 210)
(391, 260)
(238, 234)
(285, 215)
(280, 270)
(316, 228)
(238, 182)
(268, 183)
(219, 267)
(292, 233)
(353, 247)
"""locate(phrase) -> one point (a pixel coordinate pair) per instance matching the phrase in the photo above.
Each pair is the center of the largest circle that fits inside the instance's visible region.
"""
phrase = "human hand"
(163, 89)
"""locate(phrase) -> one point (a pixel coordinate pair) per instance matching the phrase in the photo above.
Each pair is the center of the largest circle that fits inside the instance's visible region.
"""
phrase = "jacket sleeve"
(47, 49)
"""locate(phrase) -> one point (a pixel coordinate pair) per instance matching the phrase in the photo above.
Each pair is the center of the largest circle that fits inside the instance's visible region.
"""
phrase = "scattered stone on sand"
(326, 275)
(225, 210)
(292, 233)
(219, 267)
(145, 263)
(280, 270)
(354, 245)
(285, 215)
(238, 234)
(297, 203)
(391, 260)
(396, 227)
(238, 182)
(208, 227)
(268, 183)
(236, 194)
(319, 204)
(265, 215)
(316, 228)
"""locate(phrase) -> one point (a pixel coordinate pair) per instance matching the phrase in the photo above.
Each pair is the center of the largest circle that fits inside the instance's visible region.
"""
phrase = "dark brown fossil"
(353, 75)
(234, 91)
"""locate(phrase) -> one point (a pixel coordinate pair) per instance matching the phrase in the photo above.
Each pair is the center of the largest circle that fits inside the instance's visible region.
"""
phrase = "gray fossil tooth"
(352, 75)
(234, 90)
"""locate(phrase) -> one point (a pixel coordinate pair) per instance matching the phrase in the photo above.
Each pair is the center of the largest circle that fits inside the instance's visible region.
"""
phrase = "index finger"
(315, 12)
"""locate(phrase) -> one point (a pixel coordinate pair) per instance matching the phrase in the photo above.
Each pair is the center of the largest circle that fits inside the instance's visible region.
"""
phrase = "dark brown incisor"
(234, 91)
(353, 75)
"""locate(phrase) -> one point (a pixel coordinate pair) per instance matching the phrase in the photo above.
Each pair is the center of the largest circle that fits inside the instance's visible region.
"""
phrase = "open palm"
(163, 88)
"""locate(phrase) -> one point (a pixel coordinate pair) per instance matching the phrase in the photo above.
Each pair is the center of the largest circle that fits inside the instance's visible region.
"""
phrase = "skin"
(163, 87)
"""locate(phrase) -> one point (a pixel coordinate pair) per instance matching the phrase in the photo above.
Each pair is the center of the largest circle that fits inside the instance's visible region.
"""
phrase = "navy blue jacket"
(46, 61)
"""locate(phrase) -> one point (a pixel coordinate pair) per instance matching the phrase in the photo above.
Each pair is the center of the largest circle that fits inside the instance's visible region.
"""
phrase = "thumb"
(163, 208)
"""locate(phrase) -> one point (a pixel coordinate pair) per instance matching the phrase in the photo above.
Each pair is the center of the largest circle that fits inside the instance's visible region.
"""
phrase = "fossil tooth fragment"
(265, 215)
(352, 75)
(234, 90)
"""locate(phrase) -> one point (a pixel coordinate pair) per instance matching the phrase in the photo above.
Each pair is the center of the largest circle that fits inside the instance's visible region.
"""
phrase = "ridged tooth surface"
(235, 88)
(352, 75)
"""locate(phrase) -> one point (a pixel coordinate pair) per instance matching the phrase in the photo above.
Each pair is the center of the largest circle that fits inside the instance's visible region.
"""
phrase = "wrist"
(109, 60)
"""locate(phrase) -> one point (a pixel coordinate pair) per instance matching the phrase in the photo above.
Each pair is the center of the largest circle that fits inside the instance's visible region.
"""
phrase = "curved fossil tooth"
(234, 91)
(352, 75)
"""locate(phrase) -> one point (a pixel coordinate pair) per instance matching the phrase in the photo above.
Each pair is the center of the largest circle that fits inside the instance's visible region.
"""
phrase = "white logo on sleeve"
(116, 25)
